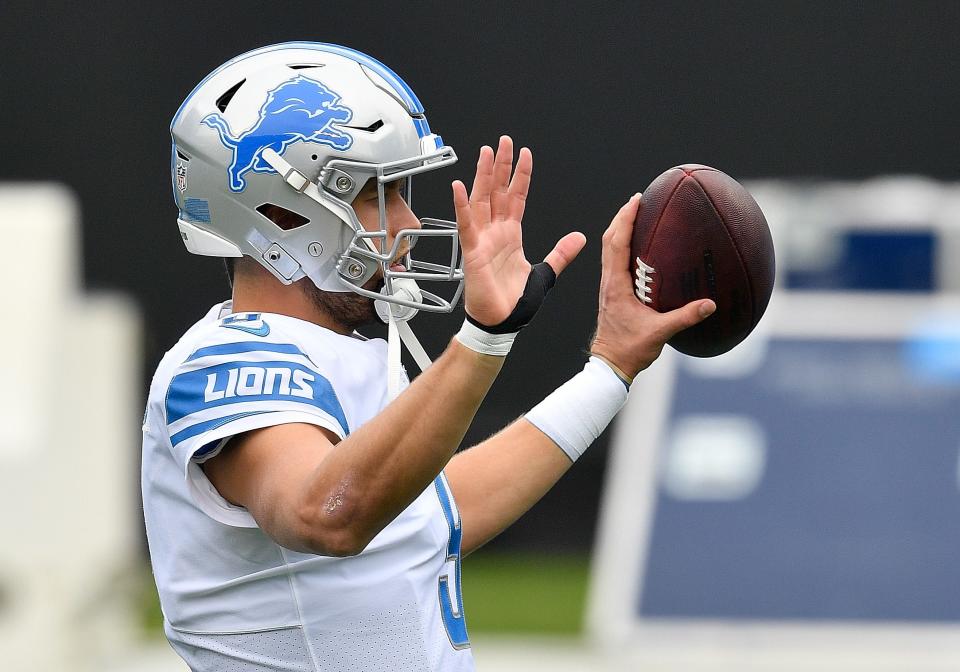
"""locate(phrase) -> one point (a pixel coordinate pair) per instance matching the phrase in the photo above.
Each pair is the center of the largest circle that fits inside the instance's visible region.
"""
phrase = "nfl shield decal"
(181, 176)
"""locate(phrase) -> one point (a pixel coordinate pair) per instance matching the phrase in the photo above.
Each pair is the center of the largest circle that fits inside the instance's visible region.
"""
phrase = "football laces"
(643, 281)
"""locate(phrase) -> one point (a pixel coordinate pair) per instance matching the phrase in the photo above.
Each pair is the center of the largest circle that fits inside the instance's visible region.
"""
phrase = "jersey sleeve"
(228, 388)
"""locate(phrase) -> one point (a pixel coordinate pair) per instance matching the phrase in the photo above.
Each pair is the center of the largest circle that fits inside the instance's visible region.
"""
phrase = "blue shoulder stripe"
(202, 427)
(240, 382)
(246, 346)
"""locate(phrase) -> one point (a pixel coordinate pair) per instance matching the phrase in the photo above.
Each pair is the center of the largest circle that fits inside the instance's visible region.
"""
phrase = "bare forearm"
(378, 470)
(497, 481)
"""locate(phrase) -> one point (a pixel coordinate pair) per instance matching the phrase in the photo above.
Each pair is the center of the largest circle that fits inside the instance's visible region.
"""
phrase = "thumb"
(687, 316)
(565, 251)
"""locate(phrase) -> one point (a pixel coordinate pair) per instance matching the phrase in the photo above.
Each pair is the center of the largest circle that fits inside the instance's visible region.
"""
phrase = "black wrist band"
(540, 281)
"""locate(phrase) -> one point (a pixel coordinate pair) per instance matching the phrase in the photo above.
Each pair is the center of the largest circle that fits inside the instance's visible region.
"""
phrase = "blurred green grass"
(151, 618)
(503, 592)
(524, 593)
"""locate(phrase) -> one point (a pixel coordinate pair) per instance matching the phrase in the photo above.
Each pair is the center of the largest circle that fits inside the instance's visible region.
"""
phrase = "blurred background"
(765, 538)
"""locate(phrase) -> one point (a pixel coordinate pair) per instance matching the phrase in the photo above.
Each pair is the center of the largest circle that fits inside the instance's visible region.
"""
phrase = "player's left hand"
(489, 220)
(631, 335)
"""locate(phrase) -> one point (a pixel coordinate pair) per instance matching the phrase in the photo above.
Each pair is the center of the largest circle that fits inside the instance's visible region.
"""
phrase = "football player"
(304, 504)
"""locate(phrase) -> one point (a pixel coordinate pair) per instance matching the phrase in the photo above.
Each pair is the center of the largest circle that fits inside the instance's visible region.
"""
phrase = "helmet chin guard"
(403, 288)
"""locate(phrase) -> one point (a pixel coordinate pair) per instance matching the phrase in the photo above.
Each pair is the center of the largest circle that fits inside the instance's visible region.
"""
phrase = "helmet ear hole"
(284, 219)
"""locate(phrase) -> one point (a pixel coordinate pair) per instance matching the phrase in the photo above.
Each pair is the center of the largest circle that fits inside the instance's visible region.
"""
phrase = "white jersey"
(232, 598)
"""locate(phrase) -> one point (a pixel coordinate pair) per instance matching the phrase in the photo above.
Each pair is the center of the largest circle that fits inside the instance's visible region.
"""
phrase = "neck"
(256, 291)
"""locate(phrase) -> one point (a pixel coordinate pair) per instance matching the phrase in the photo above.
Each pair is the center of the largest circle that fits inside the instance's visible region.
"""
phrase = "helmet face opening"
(309, 125)
(394, 258)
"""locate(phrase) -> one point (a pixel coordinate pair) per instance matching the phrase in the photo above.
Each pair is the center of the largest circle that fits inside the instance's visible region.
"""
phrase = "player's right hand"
(489, 220)
(631, 335)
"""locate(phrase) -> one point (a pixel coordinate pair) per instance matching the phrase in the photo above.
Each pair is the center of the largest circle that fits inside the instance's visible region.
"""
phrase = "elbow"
(331, 529)
(336, 545)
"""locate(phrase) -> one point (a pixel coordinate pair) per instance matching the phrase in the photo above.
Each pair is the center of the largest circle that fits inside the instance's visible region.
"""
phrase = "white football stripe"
(243, 358)
(226, 410)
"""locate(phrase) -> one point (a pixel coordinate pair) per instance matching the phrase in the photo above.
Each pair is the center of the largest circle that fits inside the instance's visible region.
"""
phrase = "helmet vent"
(283, 218)
(227, 96)
(369, 129)
(305, 66)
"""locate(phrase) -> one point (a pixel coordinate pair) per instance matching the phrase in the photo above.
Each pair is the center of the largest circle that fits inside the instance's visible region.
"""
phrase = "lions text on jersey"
(233, 598)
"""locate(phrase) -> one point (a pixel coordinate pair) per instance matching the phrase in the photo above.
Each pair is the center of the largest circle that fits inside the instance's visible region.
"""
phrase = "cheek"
(368, 213)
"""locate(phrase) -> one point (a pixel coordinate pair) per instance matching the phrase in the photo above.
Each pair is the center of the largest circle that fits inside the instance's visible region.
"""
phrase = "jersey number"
(451, 600)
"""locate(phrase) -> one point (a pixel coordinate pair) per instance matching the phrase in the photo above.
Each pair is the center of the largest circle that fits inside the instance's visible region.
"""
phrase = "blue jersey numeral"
(451, 600)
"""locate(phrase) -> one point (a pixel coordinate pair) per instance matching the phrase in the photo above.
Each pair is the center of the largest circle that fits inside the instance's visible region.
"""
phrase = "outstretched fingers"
(503, 163)
(502, 169)
(615, 256)
(565, 251)
(483, 181)
(520, 185)
(461, 205)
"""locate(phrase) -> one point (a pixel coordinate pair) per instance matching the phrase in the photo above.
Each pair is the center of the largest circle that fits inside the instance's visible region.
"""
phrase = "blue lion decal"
(299, 110)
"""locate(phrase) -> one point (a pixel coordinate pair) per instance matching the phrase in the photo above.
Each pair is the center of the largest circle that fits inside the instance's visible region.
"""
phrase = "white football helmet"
(302, 126)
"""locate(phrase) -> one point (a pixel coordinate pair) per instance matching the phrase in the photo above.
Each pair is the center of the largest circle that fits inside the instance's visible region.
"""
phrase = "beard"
(347, 308)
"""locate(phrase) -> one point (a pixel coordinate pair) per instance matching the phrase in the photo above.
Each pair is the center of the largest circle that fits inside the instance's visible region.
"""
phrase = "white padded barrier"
(69, 440)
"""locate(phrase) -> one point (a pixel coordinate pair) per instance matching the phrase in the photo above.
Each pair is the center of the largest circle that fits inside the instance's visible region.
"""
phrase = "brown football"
(699, 234)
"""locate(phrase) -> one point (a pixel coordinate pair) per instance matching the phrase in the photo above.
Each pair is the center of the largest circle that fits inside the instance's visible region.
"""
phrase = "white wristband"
(575, 414)
(484, 342)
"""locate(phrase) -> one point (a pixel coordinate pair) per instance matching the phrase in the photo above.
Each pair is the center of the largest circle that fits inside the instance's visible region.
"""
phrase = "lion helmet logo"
(299, 110)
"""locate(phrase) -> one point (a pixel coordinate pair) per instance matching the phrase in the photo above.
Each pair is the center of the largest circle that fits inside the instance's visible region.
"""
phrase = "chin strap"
(394, 366)
(413, 346)
(398, 331)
